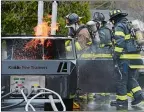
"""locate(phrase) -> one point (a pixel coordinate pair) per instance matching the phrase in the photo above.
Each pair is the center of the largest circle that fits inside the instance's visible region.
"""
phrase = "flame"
(32, 47)
(41, 30)
(49, 16)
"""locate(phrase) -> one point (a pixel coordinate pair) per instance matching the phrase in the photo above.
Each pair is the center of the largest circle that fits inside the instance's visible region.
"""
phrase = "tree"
(102, 4)
(20, 17)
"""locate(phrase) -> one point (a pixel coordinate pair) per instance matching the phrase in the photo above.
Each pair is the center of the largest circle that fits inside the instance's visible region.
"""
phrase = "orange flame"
(41, 30)
(49, 16)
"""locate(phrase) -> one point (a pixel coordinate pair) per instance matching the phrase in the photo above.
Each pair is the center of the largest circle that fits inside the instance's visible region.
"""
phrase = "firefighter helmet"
(98, 16)
(115, 13)
(72, 19)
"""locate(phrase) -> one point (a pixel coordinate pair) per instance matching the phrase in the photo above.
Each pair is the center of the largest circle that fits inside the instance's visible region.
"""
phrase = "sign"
(44, 67)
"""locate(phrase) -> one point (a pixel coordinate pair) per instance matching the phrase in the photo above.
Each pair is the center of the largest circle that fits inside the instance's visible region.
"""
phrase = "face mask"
(98, 25)
(71, 32)
(72, 29)
(75, 27)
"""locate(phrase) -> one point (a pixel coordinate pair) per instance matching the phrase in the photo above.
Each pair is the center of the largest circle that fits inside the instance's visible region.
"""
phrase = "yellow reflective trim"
(114, 41)
(89, 43)
(115, 11)
(134, 90)
(121, 97)
(87, 56)
(96, 56)
(76, 105)
(130, 94)
(69, 48)
(67, 42)
(119, 33)
(127, 37)
(123, 56)
(111, 12)
(118, 49)
(136, 66)
(102, 45)
(103, 94)
(78, 47)
(83, 96)
(118, 11)
(110, 43)
(102, 55)
(130, 56)
(72, 96)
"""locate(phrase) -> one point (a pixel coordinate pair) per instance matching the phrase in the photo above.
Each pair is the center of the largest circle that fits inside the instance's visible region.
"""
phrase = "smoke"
(138, 24)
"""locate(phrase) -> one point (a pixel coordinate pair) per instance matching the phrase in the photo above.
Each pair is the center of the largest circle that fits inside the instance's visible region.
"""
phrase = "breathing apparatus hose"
(116, 66)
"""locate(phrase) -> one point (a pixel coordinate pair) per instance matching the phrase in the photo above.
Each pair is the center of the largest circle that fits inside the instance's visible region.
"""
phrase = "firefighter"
(125, 49)
(78, 32)
(81, 36)
(105, 34)
(103, 30)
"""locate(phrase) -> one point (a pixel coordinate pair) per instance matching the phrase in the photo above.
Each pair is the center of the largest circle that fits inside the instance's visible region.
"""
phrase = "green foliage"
(102, 4)
(3, 44)
(20, 17)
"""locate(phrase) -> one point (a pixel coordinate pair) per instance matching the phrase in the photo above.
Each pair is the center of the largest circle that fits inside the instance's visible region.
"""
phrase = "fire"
(49, 16)
(41, 30)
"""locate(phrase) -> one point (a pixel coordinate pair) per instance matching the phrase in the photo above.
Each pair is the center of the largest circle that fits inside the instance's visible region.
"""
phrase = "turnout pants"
(127, 80)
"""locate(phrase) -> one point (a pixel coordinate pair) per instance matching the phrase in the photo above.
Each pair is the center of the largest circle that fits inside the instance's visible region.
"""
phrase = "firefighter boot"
(113, 103)
(120, 104)
(137, 100)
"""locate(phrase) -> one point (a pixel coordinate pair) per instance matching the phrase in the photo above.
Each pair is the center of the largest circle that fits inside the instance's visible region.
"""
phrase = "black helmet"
(72, 18)
(114, 13)
(98, 16)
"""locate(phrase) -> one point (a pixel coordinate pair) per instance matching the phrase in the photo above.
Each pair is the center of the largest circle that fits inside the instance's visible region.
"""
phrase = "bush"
(20, 17)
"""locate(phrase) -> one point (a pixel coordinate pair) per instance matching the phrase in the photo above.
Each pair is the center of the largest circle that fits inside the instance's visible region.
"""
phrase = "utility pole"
(54, 18)
(40, 11)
